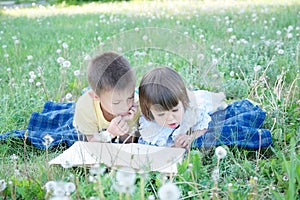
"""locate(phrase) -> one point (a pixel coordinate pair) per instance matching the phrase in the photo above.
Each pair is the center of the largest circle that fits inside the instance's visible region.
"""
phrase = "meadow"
(247, 49)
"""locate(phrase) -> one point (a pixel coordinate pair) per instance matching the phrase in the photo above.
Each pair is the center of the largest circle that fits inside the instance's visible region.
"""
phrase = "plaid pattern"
(56, 120)
(240, 124)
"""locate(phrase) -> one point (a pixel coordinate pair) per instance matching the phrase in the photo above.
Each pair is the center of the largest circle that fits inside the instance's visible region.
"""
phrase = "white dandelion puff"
(38, 84)
(65, 45)
(60, 60)
(66, 64)
(126, 176)
(280, 51)
(220, 152)
(30, 57)
(76, 72)
(169, 191)
(257, 68)
(68, 96)
(47, 140)
(2, 185)
(231, 73)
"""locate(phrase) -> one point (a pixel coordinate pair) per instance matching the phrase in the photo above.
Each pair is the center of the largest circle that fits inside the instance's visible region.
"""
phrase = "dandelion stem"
(25, 154)
(142, 185)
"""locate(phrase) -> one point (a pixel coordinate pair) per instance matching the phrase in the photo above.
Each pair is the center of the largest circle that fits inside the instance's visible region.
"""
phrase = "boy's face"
(171, 118)
(117, 102)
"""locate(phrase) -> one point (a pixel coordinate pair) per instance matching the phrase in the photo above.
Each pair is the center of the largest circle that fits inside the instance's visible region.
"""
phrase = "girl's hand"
(182, 141)
(118, 126)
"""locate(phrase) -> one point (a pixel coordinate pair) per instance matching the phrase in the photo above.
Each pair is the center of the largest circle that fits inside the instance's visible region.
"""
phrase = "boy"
(108, 110)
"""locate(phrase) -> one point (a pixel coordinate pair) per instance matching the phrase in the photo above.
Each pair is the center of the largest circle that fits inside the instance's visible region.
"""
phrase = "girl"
(174, 116)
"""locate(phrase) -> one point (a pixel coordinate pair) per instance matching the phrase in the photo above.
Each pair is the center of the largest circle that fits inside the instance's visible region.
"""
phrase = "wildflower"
(8, 69)
(278, 32)
(231, 73)
(220, 152)
(58, 51)
(257, 68)
(169, 191)
(97, 170)
(66, 64)
(4, 46)
(65, 45)
(29, 57)
(289, 35)
(38, 84)
(14, 157)
(68, 96)
(60, 60)
(77, 72)
(145, 37)
(17, 42)
(30, 80)
(47, 140)
(87, 57)
(280, 51)
(229, 30)
(2, 185)
(125, 180)
(6, 55)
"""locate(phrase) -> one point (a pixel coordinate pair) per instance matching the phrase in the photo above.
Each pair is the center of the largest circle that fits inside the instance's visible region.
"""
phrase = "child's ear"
(93, 95)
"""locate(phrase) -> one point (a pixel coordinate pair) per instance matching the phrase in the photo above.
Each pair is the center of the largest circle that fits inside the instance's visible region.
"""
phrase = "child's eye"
(161, 114)
(116, 103)
(175, 110)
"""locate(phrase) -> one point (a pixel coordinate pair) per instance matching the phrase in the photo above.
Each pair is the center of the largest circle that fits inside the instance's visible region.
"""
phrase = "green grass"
(165, 36)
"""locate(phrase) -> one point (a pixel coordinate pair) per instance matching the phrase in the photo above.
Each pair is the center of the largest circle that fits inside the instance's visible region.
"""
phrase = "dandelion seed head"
(169, 191)
(58, 51)
(14, 157)
(257, 68)
(76, 72)
(151, 197)
(68, 96)
(280, 51)
(97, 170)
(65, 45)
(231, 73)
(29, 57)
(60, 60)
(66, 64)
(125, 176)
(2, 185)
(220, 152)
(47, 140)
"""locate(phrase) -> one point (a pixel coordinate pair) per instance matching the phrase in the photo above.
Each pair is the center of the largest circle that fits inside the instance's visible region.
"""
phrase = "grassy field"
(248, 49)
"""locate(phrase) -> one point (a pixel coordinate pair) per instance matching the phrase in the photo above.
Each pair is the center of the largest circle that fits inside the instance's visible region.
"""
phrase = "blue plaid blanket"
(55, 120)
(238, 125)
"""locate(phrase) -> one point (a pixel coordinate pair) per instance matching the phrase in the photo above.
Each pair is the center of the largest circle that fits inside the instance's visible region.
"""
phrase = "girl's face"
(170, 118)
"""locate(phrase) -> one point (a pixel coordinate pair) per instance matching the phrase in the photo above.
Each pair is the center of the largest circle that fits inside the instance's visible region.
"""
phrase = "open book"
(136, 156)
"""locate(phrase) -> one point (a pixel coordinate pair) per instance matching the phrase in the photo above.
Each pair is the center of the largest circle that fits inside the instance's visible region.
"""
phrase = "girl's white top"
(196, 117)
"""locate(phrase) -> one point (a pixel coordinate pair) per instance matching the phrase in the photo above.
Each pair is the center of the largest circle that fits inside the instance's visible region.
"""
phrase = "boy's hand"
(131, 113)
(118, 127)
(182, 141)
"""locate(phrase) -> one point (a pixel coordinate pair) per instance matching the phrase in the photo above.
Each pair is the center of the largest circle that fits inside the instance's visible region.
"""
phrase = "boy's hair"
(109, 71)
(162, 88)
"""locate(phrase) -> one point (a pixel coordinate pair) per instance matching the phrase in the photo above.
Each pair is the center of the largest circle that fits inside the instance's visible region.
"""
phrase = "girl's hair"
(110, 71)
(162, 88)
